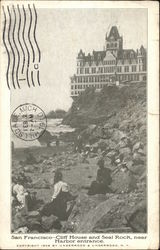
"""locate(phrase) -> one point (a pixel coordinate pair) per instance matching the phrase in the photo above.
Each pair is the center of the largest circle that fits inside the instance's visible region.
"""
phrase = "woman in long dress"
(60, 197)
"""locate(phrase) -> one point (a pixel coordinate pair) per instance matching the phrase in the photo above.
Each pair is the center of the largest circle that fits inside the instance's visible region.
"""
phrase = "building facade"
(113, 65)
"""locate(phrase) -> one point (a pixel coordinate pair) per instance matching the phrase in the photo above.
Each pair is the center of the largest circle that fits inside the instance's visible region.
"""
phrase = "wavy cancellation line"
(23, 52)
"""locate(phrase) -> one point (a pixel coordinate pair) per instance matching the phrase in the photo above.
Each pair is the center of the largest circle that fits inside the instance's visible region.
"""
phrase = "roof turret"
(113, 33)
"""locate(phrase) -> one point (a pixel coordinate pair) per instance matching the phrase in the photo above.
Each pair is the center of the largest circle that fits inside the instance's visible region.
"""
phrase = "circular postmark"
(28, 122)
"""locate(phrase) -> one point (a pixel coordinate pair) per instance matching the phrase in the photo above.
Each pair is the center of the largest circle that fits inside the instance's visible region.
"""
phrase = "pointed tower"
(114, 42)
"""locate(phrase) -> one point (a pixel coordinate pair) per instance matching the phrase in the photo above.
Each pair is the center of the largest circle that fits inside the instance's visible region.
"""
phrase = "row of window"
(103, 78)
(113, 62)
(84, 86)
(111, 69)
(128, 77)
(76, 93)
(100, 78)
(108, 62)
(100, 86)
(112, 45)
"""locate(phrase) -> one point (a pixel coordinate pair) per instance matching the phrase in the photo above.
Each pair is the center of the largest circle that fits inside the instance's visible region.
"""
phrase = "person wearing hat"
(103, 180)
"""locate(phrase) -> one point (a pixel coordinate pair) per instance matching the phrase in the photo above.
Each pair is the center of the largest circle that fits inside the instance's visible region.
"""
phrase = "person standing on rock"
(60, 197)
(103, 180)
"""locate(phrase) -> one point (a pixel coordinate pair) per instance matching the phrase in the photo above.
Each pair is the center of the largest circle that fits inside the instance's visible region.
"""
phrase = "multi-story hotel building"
(113, 65)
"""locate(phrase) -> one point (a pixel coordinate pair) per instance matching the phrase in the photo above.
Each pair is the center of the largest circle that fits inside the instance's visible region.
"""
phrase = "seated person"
(19, 194)
(60, 197)
(103, 180)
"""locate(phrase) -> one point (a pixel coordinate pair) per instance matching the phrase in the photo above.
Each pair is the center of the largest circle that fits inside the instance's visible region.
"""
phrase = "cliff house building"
(111, 66)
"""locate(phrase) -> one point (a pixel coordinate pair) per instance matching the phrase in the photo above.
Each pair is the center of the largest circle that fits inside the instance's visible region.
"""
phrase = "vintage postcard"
(79, 142)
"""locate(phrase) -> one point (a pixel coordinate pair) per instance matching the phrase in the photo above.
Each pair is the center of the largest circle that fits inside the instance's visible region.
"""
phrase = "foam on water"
(54, 126)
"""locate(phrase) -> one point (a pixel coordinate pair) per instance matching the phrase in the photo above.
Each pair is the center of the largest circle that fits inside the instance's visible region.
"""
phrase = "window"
(108, 45)
(93, 70)
(72, 87)
(126, 68)
(86, 70)
(81, 70)
(144, 67)
(100, 69)
(129, 77)
(133, 68)
(119, 69)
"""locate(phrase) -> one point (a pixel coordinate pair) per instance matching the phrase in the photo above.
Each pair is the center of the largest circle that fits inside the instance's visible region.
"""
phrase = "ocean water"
(54, 126)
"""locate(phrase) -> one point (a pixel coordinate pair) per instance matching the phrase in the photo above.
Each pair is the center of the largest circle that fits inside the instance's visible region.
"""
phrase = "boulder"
(136, 146)
(141, 151)
(102, 144)
(33, 214)
(111, 154)
(118, 135)
(34, 221)
(138, 158)
(123, 143)
(125, 151)
(92, 218)
(137, 218)
(40, 184)
(29, 168)
(111, 144)
(142, 130)
(19, 220)
(139, 170)
(50, 222)
(123, 182)
(107, 161)
(84, 204)
(22, 230)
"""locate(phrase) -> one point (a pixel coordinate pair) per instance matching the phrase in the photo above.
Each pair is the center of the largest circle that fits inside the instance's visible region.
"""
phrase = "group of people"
(61, 196)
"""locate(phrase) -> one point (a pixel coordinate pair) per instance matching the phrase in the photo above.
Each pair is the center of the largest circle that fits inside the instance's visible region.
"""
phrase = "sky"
(61, 33)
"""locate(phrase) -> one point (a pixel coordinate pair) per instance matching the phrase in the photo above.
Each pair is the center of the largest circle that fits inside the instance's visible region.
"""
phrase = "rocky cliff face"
(110, 124)
(112, 105)
(113, 123)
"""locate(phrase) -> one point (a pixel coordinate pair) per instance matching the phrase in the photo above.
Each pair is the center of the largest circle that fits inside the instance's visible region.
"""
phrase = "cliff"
(112, 103)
